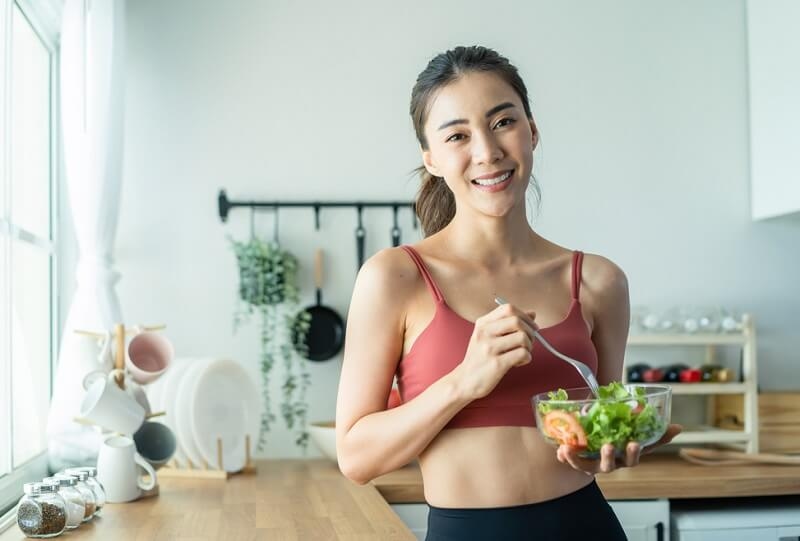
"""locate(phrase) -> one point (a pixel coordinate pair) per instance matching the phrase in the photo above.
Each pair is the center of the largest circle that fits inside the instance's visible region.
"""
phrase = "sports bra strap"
(577, 263)
(423, 270)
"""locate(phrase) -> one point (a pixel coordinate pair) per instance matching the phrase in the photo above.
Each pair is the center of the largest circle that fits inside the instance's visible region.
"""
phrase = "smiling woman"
(466, 370)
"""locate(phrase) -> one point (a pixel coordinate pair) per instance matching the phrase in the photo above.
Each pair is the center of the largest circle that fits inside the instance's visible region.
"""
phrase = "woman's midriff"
(494, 467)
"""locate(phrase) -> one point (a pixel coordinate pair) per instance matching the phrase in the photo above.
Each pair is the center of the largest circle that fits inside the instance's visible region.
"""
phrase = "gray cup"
(155, 442)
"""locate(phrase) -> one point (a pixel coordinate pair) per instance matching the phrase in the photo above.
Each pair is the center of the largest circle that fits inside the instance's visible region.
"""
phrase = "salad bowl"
(620, 414)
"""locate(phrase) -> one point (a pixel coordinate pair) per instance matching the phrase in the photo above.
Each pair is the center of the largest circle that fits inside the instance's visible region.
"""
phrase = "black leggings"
(581, 515)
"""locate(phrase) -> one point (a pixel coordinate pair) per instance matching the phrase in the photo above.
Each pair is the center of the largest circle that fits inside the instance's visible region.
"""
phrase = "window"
(28, 312)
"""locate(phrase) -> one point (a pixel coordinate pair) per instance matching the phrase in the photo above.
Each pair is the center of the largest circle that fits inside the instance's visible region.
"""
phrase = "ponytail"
(435, 205)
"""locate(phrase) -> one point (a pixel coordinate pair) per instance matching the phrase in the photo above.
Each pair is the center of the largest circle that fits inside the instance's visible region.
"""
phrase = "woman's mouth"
(495, 183)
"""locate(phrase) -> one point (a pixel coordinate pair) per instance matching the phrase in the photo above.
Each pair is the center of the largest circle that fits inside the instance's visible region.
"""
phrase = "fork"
(583, 370)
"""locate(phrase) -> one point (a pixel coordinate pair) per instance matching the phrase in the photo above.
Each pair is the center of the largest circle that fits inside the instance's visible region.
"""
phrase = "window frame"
(40, 16)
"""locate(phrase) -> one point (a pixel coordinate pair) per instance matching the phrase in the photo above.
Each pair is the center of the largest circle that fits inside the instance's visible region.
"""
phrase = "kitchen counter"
(657, 476)
(306, 500)
(286, 500)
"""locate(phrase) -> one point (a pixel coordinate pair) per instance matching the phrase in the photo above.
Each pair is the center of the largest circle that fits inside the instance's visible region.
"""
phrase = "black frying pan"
(325, 335)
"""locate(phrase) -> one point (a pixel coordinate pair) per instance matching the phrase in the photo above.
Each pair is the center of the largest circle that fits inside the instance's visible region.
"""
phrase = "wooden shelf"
(745, 340)
(686, 339)
(711, 435)
(707, 388)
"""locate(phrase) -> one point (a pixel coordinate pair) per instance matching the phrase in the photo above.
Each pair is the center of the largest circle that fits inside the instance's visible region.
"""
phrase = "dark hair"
(435, 204)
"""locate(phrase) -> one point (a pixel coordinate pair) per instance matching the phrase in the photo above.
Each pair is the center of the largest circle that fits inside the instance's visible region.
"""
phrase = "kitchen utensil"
(110, 407)
(716, 457)
(224, 404)
(169, 394)
(155, 442)
(149, 355)
(325, 335)
(117, 470)
(134, 390)
(580, 420)
(395, 229)
(583, 370)
(361, 235)
(184, 404)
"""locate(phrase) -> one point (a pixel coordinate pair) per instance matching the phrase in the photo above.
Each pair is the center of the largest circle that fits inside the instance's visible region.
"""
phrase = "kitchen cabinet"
(744, 341)
(773, 46)
(646, 520)
(756, 522)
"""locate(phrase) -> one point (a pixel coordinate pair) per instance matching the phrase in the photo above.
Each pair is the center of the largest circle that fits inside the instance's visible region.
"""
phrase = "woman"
(466, 387)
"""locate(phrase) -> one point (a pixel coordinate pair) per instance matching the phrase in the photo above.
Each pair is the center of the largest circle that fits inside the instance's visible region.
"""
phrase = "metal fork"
(583, 370)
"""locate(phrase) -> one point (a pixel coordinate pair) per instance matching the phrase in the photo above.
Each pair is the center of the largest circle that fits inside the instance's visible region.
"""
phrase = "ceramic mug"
(149, 354)
(118, 466)
(108, 406)
(133, 389)
(156, 443)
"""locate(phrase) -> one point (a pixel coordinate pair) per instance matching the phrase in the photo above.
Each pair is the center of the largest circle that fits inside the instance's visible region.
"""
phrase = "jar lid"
(90, 470)
(62, 480)
(80, 474)
(39, 488)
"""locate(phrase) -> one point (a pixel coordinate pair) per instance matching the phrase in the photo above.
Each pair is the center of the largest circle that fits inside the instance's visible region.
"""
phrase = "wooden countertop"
(657, 476)
(287, 500)
(306, 500)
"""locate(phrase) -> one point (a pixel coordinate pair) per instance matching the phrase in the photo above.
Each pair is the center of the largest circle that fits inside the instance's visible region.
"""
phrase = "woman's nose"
(485, 149)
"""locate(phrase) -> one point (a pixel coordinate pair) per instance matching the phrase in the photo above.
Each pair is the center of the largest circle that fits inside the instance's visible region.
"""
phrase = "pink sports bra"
(442, 346)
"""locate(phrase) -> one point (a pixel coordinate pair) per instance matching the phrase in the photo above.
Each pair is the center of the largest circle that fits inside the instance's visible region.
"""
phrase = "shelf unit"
(747, 437)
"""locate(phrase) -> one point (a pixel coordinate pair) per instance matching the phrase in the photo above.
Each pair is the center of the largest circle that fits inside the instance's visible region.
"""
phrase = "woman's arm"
(371, 440)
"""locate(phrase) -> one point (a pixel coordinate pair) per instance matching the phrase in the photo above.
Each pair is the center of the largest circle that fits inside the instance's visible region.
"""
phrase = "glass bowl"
(623, 413)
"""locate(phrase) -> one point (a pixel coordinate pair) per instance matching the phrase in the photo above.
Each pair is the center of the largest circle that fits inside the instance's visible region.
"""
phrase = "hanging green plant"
(268, 287)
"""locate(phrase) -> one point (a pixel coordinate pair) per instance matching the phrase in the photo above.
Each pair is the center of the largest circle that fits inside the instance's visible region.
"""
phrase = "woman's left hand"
(607, 461)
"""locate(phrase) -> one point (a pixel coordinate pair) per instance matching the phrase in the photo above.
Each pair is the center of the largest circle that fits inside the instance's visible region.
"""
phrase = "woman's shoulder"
(390, 271)
(603, 280)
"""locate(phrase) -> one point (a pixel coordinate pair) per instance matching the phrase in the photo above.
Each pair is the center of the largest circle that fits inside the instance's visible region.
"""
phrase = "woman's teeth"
(492, 181)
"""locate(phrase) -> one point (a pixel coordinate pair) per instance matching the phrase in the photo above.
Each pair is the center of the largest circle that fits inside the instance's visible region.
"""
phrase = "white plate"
(171, 379)
(226, 404)
(184, 409)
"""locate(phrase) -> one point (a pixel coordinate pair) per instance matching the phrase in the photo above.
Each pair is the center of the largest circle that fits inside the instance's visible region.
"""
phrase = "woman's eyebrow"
(494, 110)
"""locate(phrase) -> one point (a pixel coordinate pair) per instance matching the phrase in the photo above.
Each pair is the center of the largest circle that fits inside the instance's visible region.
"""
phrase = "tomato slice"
(564, 428)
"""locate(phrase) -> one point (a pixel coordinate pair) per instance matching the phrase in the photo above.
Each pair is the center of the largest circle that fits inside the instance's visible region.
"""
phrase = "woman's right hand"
(501, 340)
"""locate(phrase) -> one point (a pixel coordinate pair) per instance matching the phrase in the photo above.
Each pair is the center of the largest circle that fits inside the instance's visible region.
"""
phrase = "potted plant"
(268, 288)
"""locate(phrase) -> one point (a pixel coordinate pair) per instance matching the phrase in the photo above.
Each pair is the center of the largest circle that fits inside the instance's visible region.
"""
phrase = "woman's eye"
(454, 137)
(504, 122)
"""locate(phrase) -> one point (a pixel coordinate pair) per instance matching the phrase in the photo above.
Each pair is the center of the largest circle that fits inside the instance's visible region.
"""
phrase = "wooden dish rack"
(173, 469)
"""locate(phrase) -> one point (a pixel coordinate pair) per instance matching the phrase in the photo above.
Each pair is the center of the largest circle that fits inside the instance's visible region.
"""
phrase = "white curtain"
(92, 101)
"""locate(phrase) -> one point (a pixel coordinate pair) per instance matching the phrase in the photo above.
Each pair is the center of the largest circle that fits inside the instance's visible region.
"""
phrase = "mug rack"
(173, 468)
(225, 205)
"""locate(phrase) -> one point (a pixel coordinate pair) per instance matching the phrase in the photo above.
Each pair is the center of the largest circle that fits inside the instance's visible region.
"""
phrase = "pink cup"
(149, 355)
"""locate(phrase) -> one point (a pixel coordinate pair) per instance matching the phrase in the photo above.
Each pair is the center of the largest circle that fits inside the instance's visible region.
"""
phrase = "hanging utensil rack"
(225, 205)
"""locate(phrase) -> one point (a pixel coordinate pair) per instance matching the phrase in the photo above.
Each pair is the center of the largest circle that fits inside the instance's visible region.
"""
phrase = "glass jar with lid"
(42, 511)
(87, 493)
(94, 484)
(76, 506)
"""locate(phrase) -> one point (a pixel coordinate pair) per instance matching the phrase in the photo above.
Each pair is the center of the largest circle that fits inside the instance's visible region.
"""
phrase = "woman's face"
(481, 142)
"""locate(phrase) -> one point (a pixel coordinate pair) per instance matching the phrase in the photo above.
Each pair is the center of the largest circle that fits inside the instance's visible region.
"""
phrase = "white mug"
(118, 466)
(132, 388)
(107, 405)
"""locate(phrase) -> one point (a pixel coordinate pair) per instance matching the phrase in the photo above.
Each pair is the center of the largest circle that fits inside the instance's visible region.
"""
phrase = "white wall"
(644, 157)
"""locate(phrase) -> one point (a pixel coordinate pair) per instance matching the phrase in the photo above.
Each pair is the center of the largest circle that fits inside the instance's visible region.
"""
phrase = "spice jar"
(86, 491)
(42, 511)
(94, 484)
(72, 497)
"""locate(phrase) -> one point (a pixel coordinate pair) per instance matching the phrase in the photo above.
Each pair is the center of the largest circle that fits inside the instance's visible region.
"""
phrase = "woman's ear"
(430, 166)
(534, 134)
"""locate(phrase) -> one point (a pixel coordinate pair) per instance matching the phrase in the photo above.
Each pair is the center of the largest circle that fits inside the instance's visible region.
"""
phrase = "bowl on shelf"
(323, 434)
(622, 413)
